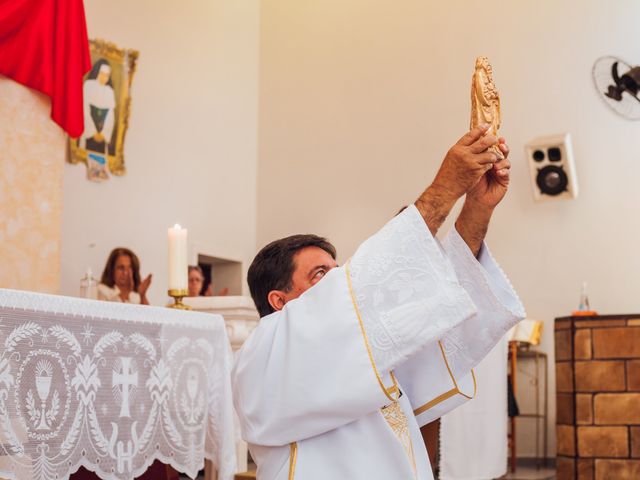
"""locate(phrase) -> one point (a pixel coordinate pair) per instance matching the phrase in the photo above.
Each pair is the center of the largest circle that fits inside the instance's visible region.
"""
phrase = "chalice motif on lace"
(44, 416)
(192, 397)
(45, 409)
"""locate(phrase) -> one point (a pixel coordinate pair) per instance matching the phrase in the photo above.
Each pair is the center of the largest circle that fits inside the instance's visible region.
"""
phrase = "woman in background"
(196, 283)
(120, 280)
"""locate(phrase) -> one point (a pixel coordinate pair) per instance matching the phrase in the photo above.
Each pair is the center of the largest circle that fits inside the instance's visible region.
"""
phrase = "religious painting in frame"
(106, 111)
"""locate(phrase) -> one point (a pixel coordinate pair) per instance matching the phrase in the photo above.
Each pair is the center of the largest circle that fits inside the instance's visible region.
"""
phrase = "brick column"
(598, 397)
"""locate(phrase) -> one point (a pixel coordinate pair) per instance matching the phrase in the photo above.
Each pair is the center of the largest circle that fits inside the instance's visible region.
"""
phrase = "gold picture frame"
(107, 104)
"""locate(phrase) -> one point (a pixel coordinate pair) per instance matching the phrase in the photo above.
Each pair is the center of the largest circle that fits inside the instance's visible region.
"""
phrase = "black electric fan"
(618, 84)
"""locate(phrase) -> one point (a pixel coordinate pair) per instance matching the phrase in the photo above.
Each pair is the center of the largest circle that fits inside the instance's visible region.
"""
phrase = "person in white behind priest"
(348, 362)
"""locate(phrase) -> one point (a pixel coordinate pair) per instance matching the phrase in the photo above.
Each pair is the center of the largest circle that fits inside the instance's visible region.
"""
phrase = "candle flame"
(177, 226)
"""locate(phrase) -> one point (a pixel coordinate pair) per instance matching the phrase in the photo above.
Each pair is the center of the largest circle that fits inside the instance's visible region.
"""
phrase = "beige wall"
(190, 150)
(360, 100)
(31, 169)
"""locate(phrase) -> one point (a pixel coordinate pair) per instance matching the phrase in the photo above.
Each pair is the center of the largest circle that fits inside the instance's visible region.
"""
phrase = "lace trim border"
(80, 307)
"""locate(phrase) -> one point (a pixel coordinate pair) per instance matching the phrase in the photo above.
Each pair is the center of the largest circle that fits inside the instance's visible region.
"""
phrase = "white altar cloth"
(111, 387)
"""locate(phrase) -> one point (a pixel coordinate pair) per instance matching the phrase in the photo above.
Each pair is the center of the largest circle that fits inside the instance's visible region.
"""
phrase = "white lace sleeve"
(405, 289)
(498, 305)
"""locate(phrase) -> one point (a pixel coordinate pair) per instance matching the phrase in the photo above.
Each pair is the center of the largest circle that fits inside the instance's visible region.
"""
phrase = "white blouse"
(113, 294)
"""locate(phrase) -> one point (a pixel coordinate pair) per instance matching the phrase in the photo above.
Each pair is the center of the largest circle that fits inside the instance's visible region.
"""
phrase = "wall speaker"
(552, 168)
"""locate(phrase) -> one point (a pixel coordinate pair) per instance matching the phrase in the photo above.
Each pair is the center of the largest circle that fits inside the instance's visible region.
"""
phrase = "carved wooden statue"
(485, 101)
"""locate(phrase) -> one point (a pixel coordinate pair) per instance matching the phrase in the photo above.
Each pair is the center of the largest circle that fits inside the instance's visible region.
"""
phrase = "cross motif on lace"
(125, 378)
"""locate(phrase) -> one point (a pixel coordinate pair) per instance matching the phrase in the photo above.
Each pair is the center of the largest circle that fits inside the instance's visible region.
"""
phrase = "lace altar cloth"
(111, 387)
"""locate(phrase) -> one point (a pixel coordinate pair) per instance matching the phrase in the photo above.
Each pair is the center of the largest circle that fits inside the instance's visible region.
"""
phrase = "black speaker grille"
(552, 180)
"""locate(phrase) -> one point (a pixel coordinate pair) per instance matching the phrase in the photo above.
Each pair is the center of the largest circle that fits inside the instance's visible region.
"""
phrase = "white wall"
(360, 100)
(190, 150)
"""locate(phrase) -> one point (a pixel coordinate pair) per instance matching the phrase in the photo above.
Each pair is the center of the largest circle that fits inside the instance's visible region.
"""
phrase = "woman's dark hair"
(273, 267)
(93, 73)
(109, 269)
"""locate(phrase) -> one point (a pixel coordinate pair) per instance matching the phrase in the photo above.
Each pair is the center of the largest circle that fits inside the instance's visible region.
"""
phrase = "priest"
(348, 362)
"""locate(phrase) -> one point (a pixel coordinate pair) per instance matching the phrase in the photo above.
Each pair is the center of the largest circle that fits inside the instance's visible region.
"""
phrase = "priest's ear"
(277, 299)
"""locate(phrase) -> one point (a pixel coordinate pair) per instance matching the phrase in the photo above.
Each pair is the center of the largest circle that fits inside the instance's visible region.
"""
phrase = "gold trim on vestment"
(435, 401)
(387, 391)
(392, 413)
(397, 420)
(293, 457)
(446, 395)
(473, 375)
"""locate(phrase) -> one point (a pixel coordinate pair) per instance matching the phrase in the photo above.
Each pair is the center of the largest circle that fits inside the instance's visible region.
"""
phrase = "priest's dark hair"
(273, 267)
(108, 274)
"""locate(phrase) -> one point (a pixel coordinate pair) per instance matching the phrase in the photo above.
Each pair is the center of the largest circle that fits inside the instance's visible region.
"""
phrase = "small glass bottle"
(584, 299)
(89, 286)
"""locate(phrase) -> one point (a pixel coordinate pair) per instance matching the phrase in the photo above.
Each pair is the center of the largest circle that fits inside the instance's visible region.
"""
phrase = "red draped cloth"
(44, 45)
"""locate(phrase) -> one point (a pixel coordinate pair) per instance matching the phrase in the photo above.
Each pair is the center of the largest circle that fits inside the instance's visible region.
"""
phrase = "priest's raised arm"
(495, 299)
(439, 378)
(314, 385)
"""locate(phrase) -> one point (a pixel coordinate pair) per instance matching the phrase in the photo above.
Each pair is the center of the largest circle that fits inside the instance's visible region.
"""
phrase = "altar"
(240, 318)
(111, 387)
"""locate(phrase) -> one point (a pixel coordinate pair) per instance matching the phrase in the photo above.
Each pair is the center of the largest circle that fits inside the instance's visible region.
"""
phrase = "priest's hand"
(473, 222)
(493, 185)
(462, 168)
(466, 162)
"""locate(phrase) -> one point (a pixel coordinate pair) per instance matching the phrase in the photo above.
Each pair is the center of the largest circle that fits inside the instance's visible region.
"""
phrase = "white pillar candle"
(178, 279)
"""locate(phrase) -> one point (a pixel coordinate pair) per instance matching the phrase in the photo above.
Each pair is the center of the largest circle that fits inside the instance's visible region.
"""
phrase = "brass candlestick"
(178, 295)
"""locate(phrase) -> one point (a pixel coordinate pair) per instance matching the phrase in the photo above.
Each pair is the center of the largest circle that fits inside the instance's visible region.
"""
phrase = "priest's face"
(311, 264)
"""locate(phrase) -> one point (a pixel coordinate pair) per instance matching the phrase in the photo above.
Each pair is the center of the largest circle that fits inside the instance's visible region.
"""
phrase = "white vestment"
(473, 438)
(315, 385)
